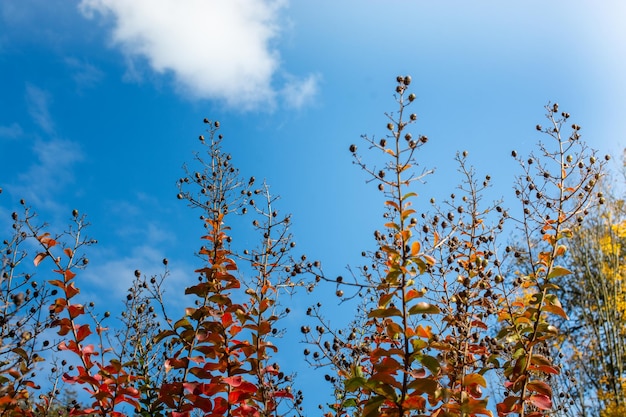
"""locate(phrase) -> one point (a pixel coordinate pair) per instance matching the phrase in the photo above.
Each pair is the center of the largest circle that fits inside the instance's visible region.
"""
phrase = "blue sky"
(101, 102)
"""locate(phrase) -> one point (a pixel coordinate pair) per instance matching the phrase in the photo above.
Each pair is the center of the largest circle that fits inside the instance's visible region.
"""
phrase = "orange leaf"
(415, 248)
(68, 275)
(474, 379)
(71, 290)
(540, 387)
(40, 257)
(430, 260)
(424, 332)
(75, 310)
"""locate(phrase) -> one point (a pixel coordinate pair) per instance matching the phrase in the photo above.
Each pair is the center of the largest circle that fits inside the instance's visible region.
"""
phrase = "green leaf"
(431, 363)
(371, 408)
(182, 323)
(355, 383)
(558, 271)
(383, 389)
(349, 403)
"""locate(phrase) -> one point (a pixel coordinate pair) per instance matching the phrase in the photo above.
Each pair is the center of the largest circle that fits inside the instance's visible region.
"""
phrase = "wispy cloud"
(38, 102)
(85, 75)
(110, 274)
(221, 49)
(51, 170)
(53, 158)
(299, 92)
(12, 131)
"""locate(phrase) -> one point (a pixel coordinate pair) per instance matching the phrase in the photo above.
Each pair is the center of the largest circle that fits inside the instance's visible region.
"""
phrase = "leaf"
(540, 387)
(384, 312)
(71, 290)
(283, 394)
(558, 271)
(430, 260)
(555, 310)
(431, 363)
(474, 379)
(183, 323)
(424, 332)
(542, 402)
(509, 405)
(415, 248)
(392, 204)
(355, 383)
(424, 308)
(82, 333)
(412, 294)
(392, 225)
(384, 300)
(75, 310)
(371, 409)
(233, 381)
(40, 257)
(423, 385)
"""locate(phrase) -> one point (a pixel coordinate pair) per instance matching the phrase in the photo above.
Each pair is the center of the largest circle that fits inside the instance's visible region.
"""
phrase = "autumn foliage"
(454, 316)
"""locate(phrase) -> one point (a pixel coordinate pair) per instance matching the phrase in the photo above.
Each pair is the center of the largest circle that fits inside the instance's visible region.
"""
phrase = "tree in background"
(594, 347)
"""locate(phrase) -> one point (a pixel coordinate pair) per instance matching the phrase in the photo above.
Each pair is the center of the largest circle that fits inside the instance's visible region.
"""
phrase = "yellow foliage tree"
(595, 336)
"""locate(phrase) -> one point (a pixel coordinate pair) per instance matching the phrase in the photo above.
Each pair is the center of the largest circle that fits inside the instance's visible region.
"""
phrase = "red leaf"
(544, 368)
(542, 402)
(227, 319)
(283, 394)
(508, 406)
(64, 325)
(220, 406)
(75, 310)
(174, 363)
(233, 381)
(82, 333)
(247, 387)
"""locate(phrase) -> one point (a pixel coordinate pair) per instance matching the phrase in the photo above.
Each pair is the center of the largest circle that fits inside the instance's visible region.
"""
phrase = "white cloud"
(219, 49)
